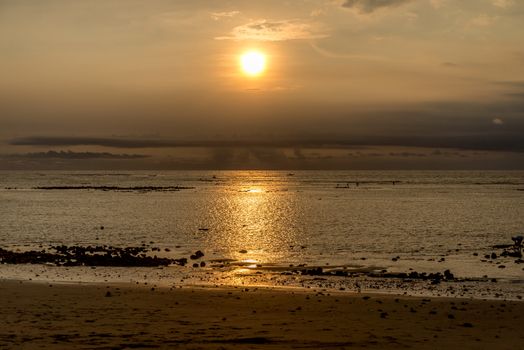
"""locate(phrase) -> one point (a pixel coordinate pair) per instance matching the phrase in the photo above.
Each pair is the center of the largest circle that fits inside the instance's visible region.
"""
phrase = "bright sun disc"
(253, 63)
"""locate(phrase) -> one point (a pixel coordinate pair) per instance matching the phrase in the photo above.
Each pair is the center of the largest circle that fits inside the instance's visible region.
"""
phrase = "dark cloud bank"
(475, 135)
(75, 155)
(507, 141)
(368, 6)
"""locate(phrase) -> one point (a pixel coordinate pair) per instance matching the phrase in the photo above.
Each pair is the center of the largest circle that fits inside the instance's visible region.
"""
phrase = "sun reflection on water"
(254, 190)
(259, 222)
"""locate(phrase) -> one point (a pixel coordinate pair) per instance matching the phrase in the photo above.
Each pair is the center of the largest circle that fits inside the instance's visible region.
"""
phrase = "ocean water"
(278, 218)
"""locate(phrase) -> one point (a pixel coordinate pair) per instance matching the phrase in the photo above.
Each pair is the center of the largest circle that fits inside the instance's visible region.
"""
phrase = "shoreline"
(260, 287)
(208, 277)
(101, 316)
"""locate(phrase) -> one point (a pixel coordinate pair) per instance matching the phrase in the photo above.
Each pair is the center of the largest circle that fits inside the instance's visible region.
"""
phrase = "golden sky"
(346, 84)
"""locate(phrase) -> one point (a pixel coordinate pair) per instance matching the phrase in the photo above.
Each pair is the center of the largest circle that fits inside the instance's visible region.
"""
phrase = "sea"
(261, 224)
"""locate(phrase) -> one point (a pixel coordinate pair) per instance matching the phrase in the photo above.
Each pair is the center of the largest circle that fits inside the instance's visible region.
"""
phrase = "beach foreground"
(90, 316)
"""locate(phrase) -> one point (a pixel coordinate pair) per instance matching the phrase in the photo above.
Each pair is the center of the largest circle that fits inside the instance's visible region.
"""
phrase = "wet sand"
(97, 316)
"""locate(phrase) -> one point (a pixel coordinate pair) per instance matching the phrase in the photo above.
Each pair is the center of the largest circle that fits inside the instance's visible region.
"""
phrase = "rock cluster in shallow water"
(433, 277)
(118, 188)
(89, 256)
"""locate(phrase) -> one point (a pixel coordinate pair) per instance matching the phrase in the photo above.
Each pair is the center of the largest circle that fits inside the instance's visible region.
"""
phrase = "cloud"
(503, 3)
(225, 14)
(519, 84)
(369, 6)
(359, 56)
(265, 30)
(76, 155)
(515, 89)
(482, 20)
(498, 121)
(437, 3)
(507, 141)
(407, 154)
(317, 12)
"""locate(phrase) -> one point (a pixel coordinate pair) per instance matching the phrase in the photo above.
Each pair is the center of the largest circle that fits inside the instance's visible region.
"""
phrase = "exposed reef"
(89, 256)
(118, 188)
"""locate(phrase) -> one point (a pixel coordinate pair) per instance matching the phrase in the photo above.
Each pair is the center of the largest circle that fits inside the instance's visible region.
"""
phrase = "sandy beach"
(97, 316)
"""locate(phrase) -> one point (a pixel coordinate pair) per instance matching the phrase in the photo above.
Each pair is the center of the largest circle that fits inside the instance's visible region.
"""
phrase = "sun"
(253, 63)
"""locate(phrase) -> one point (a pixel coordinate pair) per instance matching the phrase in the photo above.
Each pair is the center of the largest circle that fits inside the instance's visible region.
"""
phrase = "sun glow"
(253, 63)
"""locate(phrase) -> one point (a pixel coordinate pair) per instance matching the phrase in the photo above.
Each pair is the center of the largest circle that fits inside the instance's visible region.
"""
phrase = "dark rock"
(502, 246)
(198, 254)
(513, 254)
(313, 272)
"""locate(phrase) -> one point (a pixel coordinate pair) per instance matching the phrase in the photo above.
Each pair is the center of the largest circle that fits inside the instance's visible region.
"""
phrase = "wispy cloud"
(358, 56)
(369, 6)
(482, 20)
(225, 14)
(76, 155)
(282, 30)
(503, 3)
(498, 121)
(450, 64)
(437, 3)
